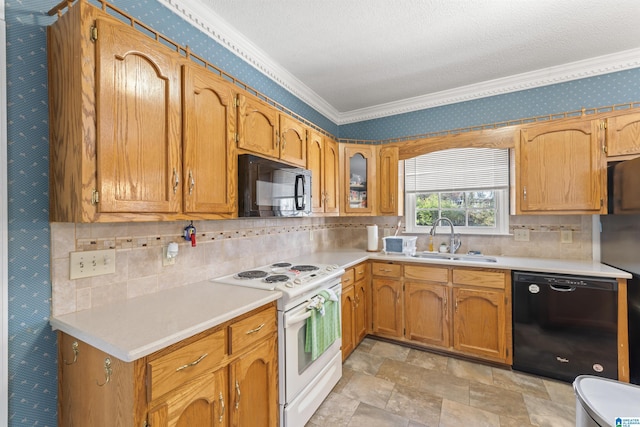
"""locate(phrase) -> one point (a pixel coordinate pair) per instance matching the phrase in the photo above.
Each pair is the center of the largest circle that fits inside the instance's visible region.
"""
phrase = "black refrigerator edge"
(620, 248)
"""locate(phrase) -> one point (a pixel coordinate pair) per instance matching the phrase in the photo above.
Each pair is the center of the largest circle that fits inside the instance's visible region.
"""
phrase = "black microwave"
(270, 188)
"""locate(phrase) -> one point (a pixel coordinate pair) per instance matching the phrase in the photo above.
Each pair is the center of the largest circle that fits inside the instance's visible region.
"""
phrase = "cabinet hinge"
(601, 203)
(603, 125)
(604, 149)
(236, 101)
(94, 33)
(95, 197)
(237, 137)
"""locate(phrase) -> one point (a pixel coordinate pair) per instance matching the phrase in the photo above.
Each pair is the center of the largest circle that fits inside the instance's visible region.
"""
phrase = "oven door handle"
(292, 320)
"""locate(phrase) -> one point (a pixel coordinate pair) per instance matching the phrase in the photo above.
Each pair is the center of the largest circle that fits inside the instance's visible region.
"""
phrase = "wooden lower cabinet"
(386, 307)
(348, 314)
(200, 403)
(479, 322)
(427, 313)
(254, 387)
(355, 307)
(461, 310)
(197, 382)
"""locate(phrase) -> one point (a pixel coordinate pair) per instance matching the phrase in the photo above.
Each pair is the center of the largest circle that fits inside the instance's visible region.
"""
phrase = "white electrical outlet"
(91, 263)
(521, 235)
(165, 259)
(566, 236)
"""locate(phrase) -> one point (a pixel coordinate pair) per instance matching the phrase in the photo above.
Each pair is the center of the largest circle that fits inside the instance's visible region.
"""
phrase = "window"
(470, 186)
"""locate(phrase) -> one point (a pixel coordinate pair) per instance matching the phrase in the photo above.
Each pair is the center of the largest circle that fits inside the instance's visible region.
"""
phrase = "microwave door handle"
(297, 195)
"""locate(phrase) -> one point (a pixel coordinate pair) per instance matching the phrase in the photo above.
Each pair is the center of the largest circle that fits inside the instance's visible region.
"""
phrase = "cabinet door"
(561, 169)
(359, 179)
(209, 120)
(360, 315)
(253, 387)
(388, 180)
(623, 135)
(199, 403)
(293, 141)
(331, 181)
(387, 307)
(315, 163)
(257, 127)
(479, 322)
(427, 313)
(348, 314)
(138, 122)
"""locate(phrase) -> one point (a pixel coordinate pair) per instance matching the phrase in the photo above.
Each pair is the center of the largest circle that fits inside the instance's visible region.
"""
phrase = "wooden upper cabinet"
(138, 122)
(293, 141)
(387, 181)
(315, 163)
(322, 161)
(623, 135)
(560, 169)
(265, 131)
(257, 127)
(358, 178)
(210, 163)
(331, 176)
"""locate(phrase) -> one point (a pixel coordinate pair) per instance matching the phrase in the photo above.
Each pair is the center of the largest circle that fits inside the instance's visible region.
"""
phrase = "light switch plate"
(91, 263)
(521, 235)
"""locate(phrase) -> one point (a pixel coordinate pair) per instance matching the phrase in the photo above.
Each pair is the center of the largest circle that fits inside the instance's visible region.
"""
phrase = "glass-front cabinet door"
(359, 178)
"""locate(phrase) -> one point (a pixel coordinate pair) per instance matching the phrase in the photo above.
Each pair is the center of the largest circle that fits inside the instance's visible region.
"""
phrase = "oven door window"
(304, 358)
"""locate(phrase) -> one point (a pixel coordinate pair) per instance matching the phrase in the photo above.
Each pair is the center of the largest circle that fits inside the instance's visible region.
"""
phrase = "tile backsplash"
(228, 246)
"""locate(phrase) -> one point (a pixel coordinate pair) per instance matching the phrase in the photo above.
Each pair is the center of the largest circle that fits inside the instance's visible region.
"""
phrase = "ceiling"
(359, 59)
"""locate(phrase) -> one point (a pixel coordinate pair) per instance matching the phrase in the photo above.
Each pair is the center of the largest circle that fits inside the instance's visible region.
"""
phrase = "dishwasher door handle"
(560, 288)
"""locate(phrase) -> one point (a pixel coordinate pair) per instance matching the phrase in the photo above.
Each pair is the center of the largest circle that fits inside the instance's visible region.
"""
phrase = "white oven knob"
(289, 285)
(297, 281)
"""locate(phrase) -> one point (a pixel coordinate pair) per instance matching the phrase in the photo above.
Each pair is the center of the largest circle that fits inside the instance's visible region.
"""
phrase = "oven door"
(298, 370)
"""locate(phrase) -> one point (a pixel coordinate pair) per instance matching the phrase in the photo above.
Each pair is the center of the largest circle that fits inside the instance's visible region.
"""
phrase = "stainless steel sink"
(454, 257)
(475, 258)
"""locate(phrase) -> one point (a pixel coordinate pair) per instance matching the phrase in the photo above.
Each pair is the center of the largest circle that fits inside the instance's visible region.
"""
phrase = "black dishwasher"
(565, 326)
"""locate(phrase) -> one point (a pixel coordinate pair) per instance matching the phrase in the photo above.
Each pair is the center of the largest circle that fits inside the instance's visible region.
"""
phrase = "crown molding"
(605, 64)
(202, 17)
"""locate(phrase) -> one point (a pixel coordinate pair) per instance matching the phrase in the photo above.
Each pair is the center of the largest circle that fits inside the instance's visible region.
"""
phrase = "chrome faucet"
(455, 242)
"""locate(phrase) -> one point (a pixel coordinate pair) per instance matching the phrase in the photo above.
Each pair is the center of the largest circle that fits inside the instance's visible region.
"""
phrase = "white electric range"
(304, 382)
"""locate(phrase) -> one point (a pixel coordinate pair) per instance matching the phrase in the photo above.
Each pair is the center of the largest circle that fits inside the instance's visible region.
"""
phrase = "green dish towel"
(322, 330)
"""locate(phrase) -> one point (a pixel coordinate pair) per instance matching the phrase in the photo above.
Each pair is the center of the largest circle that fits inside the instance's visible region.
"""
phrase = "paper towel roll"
(372, 238)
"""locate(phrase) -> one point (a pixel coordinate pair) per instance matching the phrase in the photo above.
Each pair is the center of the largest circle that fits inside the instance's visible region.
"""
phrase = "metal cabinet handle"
(76, 351)
(176, 181)
(237, 394)
(525, 192)
(192, 182)
(221, 408)
(194, 363)
(107, 372)
(277, 139)
(253, 331)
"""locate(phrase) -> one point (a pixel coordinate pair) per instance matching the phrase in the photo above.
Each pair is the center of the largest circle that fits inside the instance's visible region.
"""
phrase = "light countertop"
(137, 327)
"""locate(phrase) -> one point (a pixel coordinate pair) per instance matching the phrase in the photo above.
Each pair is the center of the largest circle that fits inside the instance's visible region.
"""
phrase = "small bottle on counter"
(430, 243)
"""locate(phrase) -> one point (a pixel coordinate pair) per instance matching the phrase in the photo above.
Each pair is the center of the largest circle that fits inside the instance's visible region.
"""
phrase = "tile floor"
(389, 385)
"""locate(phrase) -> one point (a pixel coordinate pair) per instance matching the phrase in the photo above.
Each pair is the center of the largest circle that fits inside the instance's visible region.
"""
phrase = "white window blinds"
(458, 169)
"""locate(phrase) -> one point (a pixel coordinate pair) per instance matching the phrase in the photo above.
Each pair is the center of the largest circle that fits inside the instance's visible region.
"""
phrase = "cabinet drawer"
(244, 333)
(360, 271)
(348, 278)
(388, 270)
(431, 274)
(486, 279)
(185, 364)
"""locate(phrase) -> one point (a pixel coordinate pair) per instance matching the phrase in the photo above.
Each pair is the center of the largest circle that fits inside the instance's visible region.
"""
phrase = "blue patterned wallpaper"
(32, 346)
(599, 91)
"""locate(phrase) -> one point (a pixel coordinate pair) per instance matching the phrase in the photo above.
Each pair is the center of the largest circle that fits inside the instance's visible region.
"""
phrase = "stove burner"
(252, 274)
(276, 278)
(302, 268)
(281, 264)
